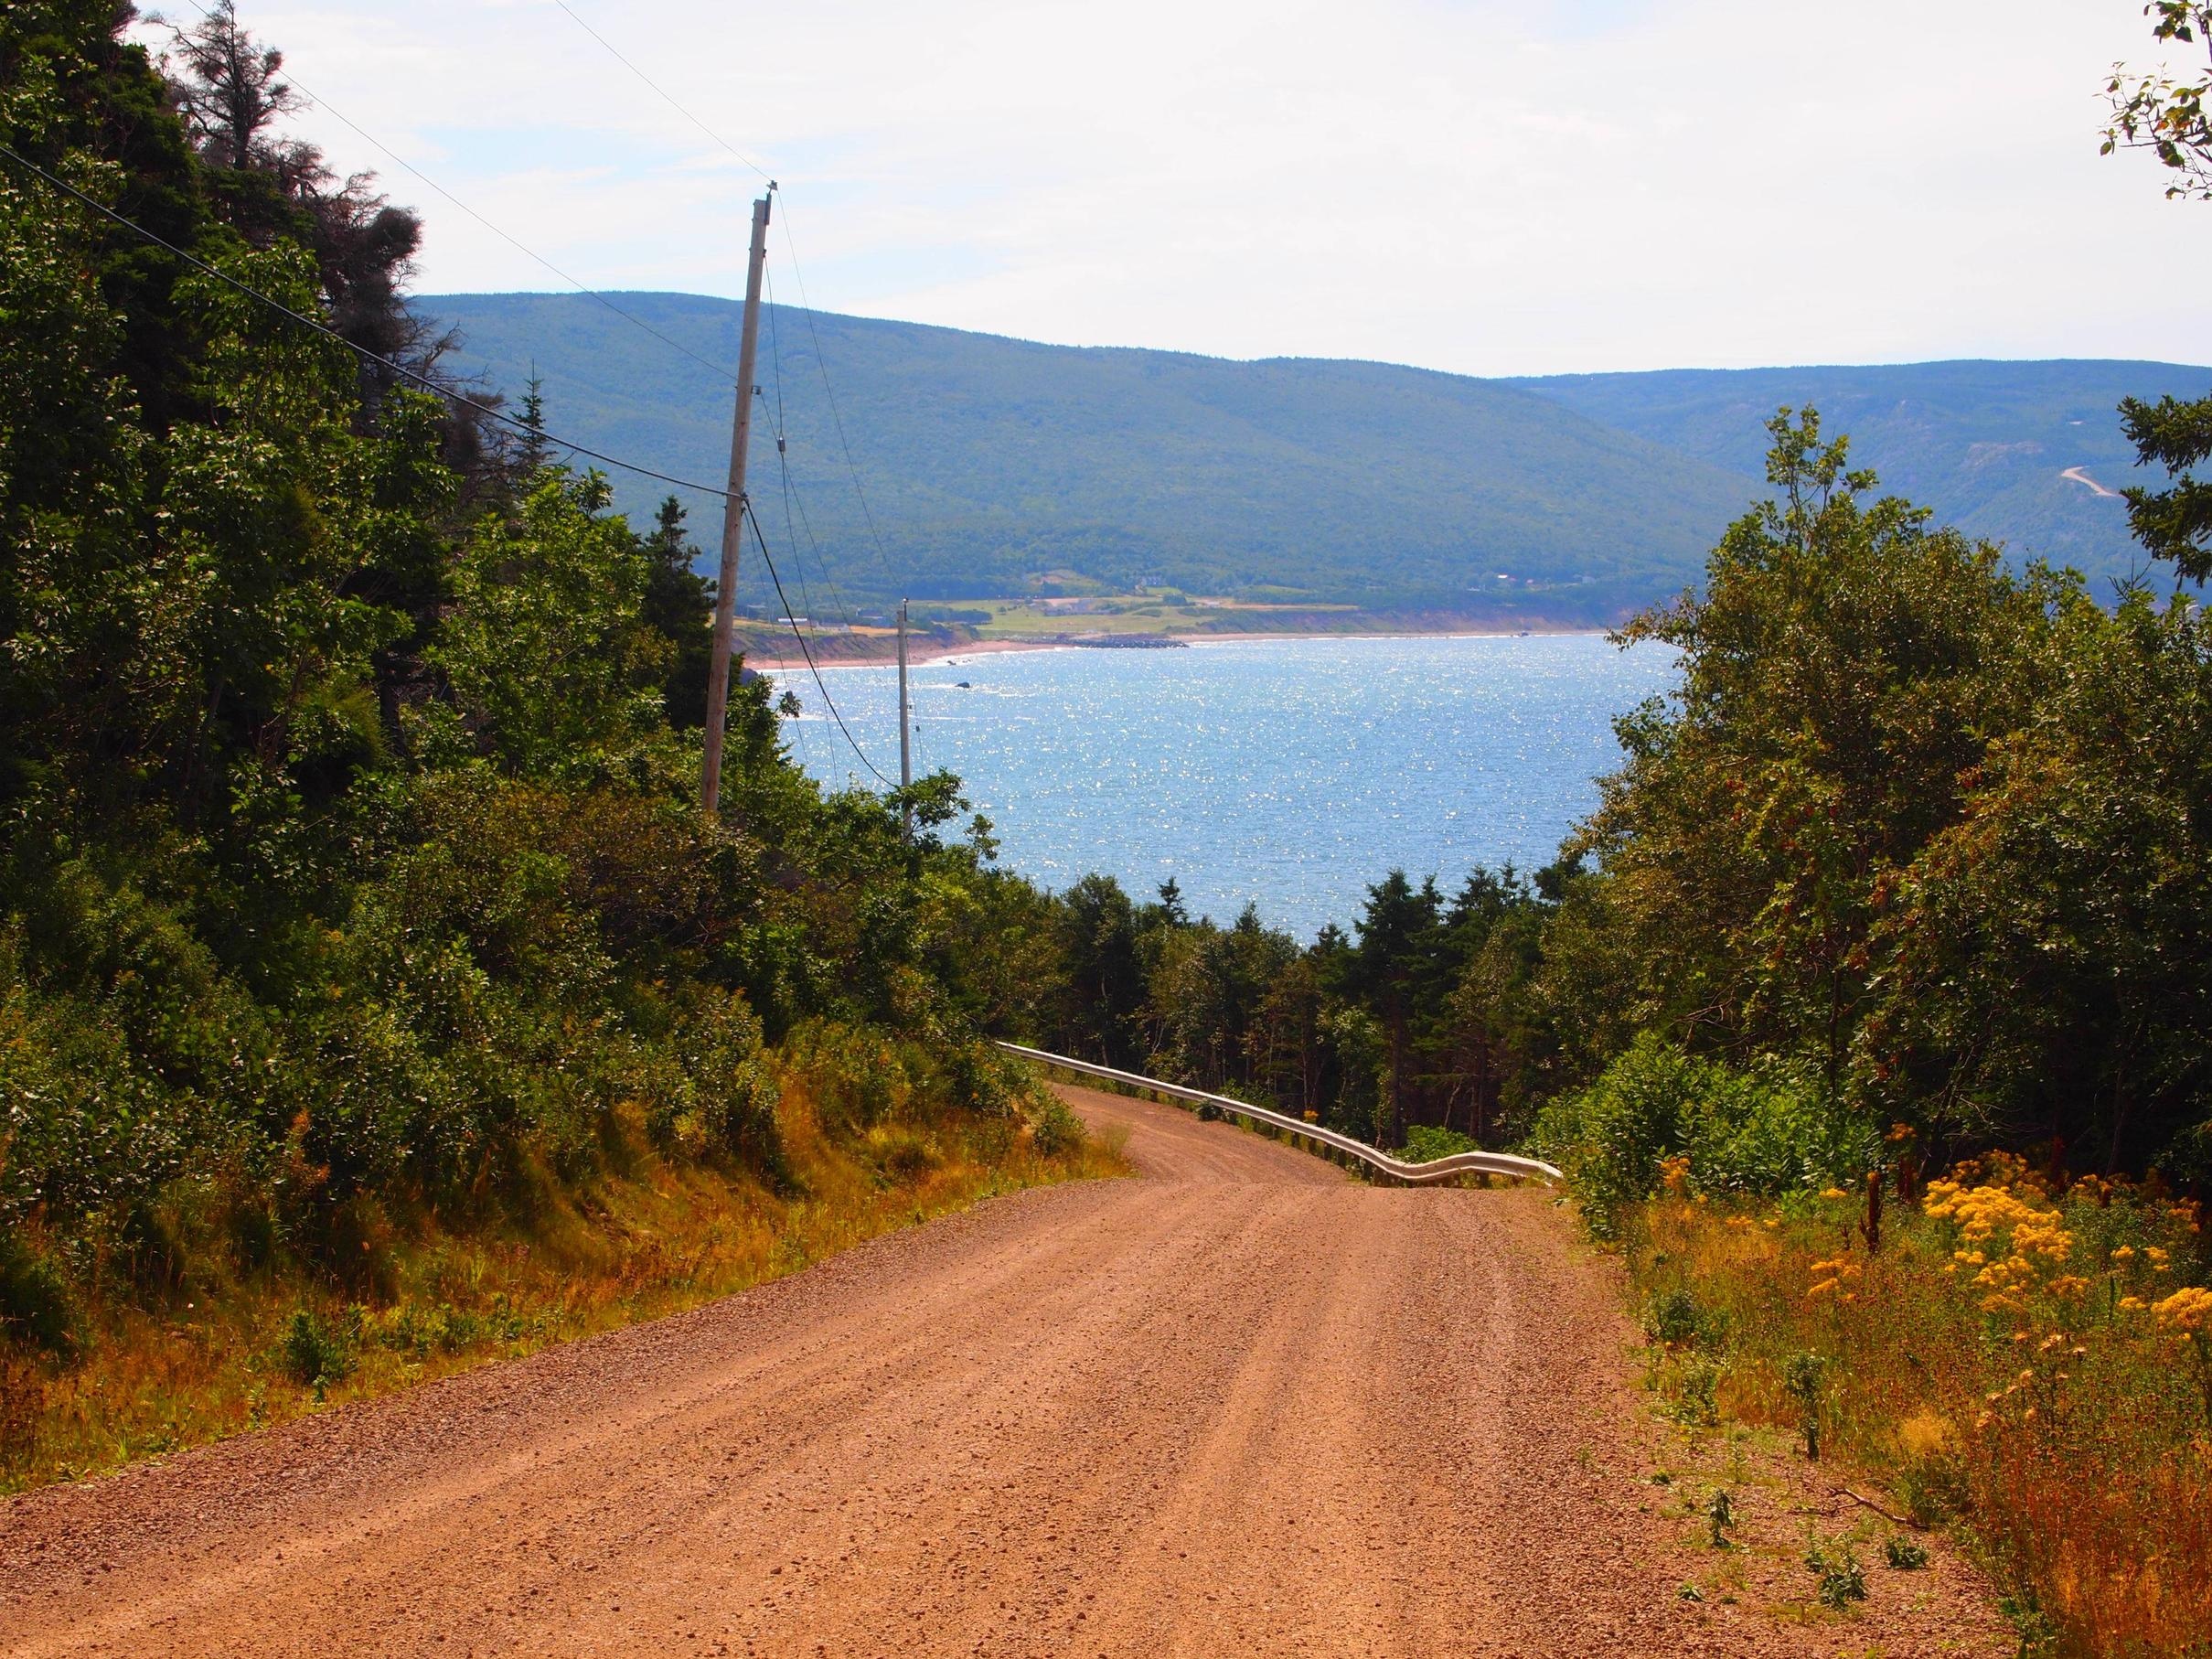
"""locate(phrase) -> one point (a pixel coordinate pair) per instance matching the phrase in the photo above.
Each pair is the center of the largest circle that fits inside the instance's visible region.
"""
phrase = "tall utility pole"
(733, 521)
(906, 767)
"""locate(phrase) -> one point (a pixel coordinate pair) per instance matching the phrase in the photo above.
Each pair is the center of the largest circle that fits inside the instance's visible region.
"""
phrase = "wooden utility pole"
(906, 768)
(733, 521)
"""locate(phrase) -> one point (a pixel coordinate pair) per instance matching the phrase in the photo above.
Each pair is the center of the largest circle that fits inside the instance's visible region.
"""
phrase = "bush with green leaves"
(1427, 1143)
(1055, 1129)
(1742, 1131)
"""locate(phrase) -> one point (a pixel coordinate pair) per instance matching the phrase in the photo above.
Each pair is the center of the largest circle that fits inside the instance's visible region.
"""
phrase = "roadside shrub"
(1842, 1580)
(1694, 1387)
(1055, 1131)
(1676, 1318)
(856, 1077)
(315, 1352)
(709, 1085)
(1741, 1132)
(21, 1405)
(900, 1153)
(1426, 1142)
(34, 1298)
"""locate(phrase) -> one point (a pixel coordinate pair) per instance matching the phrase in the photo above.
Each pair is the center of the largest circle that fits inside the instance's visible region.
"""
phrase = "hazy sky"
(1492, 188)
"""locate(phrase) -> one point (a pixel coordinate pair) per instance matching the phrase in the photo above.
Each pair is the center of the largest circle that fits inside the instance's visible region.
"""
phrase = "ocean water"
(1288, 773)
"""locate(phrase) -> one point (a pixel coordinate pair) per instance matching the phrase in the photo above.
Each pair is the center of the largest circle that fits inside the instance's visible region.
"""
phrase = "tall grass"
(241, 1332)
(2032, 1360)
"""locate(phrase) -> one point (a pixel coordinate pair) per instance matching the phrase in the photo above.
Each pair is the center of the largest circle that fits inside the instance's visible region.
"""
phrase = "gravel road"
(1241, 1406)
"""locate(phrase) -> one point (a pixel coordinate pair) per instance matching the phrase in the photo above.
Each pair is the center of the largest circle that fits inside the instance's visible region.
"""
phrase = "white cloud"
(1484, 187)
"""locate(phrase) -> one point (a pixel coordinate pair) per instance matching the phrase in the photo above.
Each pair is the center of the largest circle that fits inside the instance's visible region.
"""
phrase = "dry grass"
(651, 1237)
(2028, 1363)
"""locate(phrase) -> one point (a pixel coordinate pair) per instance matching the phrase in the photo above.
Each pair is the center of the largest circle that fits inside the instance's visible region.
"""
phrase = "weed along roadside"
(867, 1139)
(2017, 1360)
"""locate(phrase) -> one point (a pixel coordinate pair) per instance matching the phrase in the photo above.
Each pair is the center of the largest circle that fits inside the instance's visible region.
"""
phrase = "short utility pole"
(733, 521)
(906, 767)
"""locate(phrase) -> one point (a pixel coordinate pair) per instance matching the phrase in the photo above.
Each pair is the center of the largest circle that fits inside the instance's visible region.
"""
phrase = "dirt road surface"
(1240, 1405)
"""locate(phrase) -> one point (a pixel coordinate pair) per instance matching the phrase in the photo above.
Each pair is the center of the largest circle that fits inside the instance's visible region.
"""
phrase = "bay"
(1289, 774)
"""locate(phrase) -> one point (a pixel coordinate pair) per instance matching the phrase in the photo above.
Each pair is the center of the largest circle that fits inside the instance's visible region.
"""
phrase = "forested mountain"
(1988, 445)
(990, 463)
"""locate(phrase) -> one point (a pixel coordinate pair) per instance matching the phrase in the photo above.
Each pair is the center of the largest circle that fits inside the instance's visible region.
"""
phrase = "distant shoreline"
(871, 651)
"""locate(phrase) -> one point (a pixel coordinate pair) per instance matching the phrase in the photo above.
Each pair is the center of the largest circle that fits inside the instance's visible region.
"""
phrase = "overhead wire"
(836, 419)
(450, 394)
(791, 247)
(793, 497)
(805, 651)
(672, 103)
(447, 392)
(428, 382)
(589, 293)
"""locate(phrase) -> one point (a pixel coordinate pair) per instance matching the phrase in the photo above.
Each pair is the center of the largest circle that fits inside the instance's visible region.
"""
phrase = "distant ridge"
(2029, 453)
(997, 466)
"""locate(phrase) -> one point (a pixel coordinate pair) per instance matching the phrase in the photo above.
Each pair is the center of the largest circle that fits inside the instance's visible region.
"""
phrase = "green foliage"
(545, 646)
(317, 1352)
(1427, 1143)
(352, 874)
(1805, 1380)
(2162, 116)
(1056, 1129)
(1842, 1580)
(34, 1298)
(2174, 523)
(1903, 1554)
(1739, 1131)
(1696, 1391)
(1676, 1318)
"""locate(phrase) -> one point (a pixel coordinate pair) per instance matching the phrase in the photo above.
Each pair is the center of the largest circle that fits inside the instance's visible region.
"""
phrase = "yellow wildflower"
(1925, 1434)
(2188, 1310)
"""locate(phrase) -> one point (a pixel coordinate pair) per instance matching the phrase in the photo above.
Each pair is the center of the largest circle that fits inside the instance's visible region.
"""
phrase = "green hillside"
(990, 463)
(1987, 445)
(996, 466)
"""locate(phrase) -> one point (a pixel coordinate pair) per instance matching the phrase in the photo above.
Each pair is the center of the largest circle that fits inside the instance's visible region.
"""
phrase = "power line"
(429, 385)
(822, 364)
(672, 103)
(792, 494)
(486, 410)
(627, 316)
(751, 519)
(791, 247)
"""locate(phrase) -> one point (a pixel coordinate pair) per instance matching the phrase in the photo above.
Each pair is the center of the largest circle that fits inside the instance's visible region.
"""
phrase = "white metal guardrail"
(1383, 1163)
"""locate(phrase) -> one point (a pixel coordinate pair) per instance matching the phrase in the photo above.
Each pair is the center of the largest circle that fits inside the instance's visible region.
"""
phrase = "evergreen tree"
(679, 607)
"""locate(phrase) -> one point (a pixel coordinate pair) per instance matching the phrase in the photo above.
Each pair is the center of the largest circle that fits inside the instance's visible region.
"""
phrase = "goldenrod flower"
(2188, 1310)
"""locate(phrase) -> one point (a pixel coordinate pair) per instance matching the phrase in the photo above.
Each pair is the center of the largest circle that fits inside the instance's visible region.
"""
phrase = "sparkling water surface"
(1290, 773)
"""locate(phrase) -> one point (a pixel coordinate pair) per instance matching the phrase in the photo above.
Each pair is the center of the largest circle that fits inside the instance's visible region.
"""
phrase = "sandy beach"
(850, 651)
